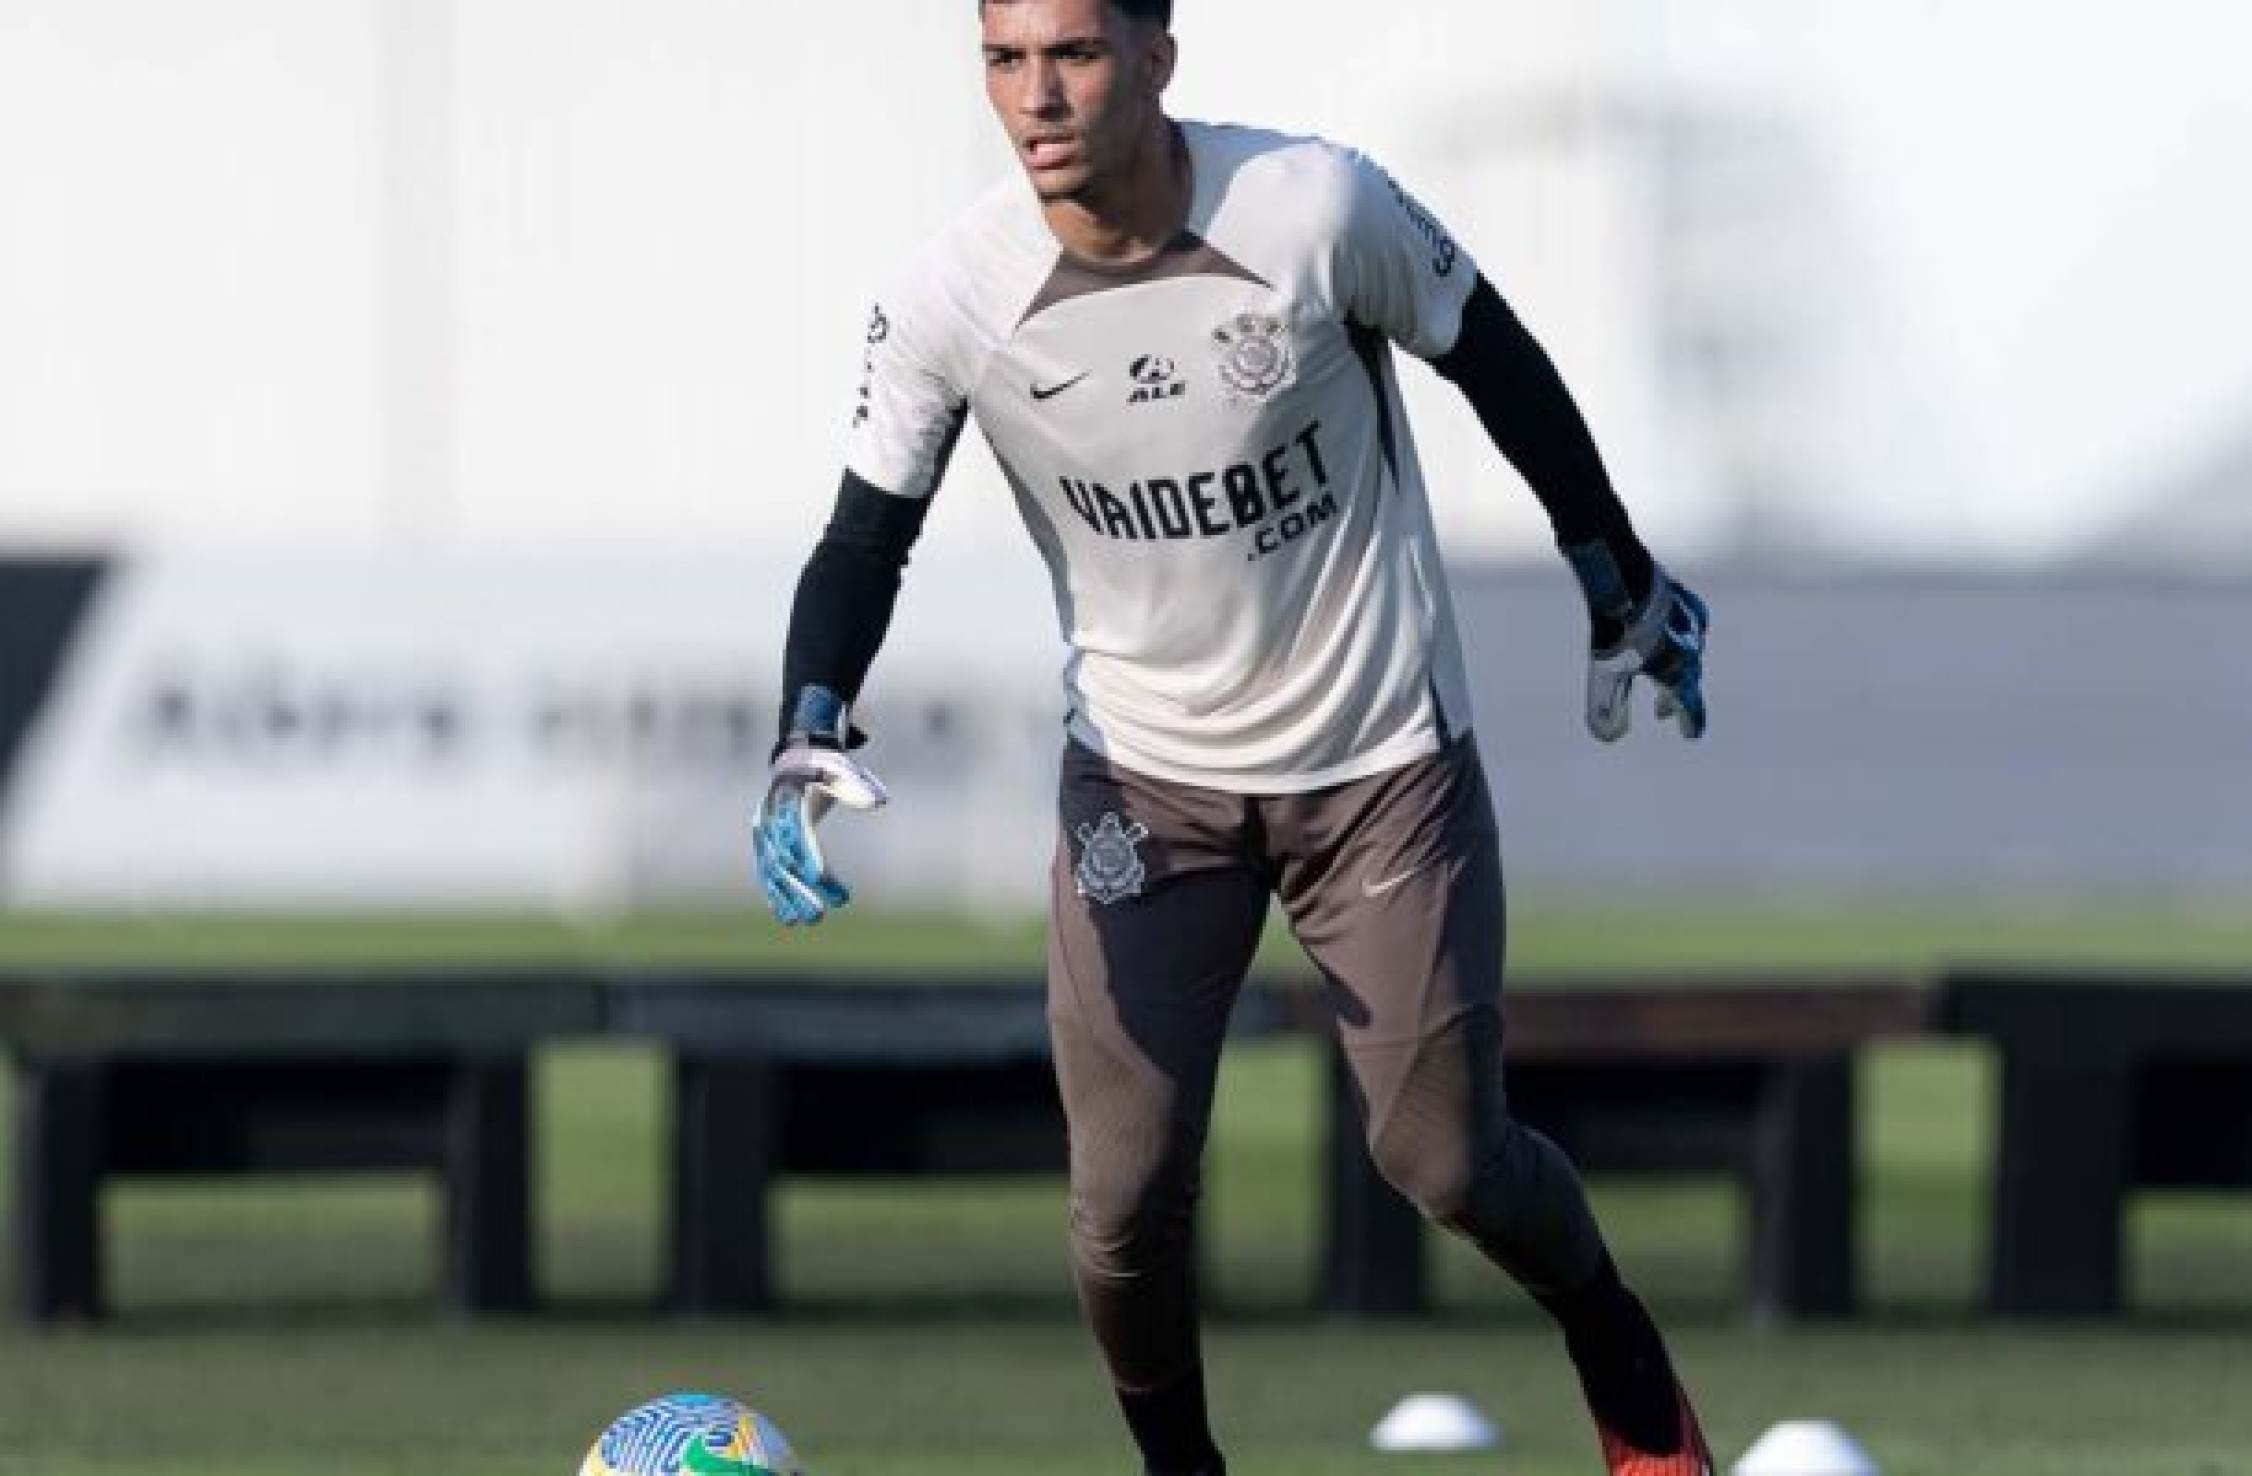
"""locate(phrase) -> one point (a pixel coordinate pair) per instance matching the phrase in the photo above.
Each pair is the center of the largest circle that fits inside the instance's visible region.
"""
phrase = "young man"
(1178, 341)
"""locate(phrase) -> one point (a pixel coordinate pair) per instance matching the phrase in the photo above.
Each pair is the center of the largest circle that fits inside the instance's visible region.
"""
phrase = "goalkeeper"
(1179, 340)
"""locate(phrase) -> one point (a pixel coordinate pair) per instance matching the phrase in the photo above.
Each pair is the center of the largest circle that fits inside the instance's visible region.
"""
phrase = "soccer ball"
(691, 1435)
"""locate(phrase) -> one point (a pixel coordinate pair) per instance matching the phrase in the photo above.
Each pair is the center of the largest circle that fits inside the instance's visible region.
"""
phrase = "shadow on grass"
(1509, 1312)
(330, 1314)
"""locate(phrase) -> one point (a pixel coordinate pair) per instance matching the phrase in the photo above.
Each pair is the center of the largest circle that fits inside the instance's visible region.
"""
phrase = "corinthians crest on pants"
(1110, 868)
(1255, 357)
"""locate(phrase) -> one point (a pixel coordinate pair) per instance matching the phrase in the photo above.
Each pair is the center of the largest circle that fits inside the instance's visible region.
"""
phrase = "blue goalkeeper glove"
(1662, 639)
(811, 772)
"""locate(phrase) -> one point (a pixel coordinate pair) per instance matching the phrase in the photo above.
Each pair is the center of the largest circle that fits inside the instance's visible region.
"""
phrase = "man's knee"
(1437, 1173)
(1509, 1191)
(1469, 1175)
(1128, 1217)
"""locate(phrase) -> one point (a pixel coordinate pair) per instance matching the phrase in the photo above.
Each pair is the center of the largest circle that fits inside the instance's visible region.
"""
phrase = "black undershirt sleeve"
(1521, 399)
(845, 597)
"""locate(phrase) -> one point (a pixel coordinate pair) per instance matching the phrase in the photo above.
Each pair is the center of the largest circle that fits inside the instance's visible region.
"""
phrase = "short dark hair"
(1160, 11)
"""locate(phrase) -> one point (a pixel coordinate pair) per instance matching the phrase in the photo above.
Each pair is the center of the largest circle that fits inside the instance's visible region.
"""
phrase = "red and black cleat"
(1689, 1455)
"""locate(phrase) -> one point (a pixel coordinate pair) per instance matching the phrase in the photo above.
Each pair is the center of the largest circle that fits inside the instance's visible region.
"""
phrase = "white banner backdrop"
(587, 732)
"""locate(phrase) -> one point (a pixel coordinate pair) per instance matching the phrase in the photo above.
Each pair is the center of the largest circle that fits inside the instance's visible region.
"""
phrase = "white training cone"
(1806, 1448)
(1435, 1422)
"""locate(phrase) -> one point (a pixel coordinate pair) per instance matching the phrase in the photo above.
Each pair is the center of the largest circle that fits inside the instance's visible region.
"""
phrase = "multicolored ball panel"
(691, 1435)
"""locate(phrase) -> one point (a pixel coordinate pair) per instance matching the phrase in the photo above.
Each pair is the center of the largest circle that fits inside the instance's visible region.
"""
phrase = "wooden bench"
(2108, 1084)
(829, 1076)
(127, 1074)
(1751, 1080)
(833, 1076)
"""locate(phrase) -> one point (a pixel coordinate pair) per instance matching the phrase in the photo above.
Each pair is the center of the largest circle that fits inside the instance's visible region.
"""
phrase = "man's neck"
(1137, 216)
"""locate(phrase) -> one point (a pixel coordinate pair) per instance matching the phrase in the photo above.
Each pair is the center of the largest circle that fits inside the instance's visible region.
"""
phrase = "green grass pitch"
(290, 1326)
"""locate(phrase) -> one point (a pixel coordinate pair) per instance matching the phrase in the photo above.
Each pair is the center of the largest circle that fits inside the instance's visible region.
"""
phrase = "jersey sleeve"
(1399, 270)
(911, 405)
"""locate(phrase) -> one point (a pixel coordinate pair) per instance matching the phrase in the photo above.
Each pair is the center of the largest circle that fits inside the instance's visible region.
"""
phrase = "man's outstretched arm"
(837, 624)
(1641, 622)
(845, 597)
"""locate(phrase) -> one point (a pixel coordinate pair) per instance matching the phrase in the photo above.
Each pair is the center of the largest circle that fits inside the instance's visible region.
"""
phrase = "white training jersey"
(1209, 449)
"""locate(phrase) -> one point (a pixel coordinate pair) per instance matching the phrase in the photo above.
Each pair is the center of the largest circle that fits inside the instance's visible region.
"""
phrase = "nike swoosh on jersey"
(1050, 391)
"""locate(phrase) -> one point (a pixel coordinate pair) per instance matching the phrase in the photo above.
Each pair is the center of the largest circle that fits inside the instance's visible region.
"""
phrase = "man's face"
(1075, 84)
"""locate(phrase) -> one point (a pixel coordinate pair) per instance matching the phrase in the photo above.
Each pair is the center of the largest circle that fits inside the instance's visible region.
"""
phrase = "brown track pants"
(1393, 886)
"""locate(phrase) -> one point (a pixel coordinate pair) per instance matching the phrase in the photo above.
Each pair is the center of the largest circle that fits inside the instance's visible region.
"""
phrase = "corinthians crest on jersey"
(1256, 358)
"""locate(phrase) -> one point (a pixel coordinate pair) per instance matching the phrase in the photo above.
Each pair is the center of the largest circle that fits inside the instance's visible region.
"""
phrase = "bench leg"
(1801, 1188)
(2060, 1183)
(725, 1140)
(487, 1256)
(1372, 1251)
(56, 1203)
